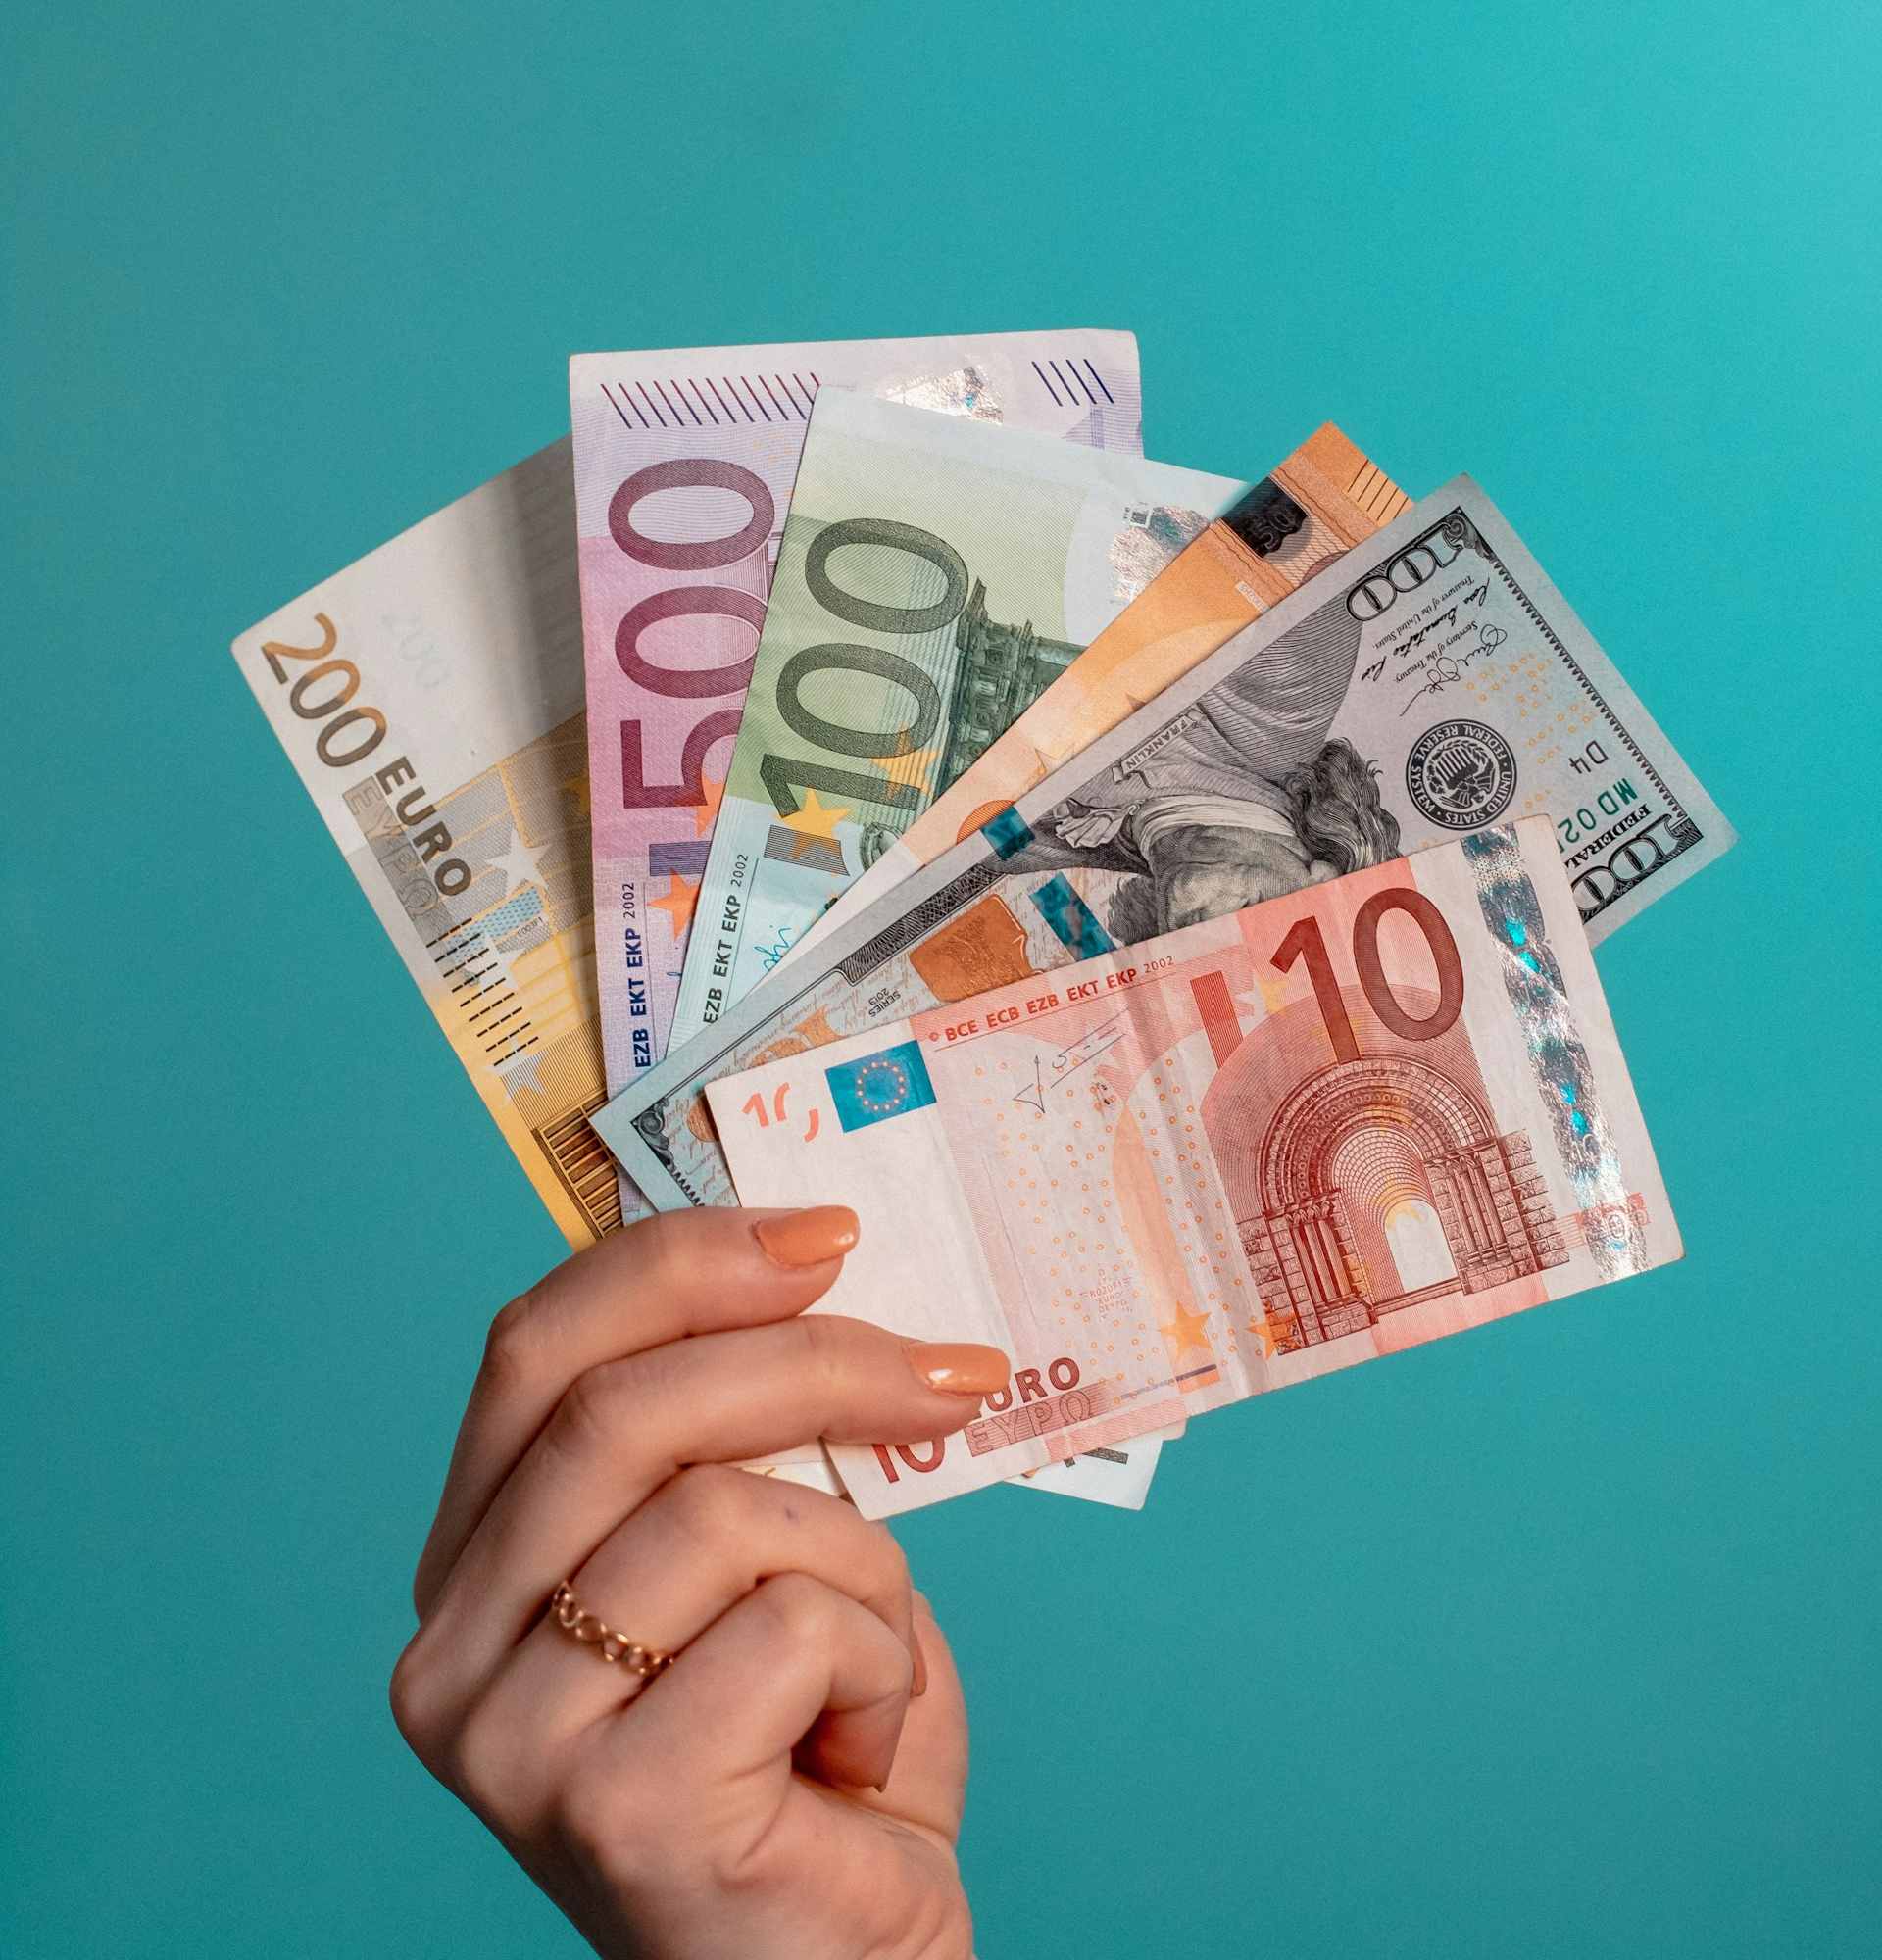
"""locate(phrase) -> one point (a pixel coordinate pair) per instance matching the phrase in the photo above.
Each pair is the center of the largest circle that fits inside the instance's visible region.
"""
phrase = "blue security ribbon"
(1008, 832)
(1074, 922)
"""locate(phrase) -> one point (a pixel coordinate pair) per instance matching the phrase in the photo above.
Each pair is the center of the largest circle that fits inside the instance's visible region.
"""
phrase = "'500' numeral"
(719, 602)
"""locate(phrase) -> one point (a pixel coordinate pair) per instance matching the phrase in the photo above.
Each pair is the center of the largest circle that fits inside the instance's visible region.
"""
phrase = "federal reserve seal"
(1460, 774)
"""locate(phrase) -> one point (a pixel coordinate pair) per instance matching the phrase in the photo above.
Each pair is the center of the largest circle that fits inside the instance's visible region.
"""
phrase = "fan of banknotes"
(1160, 905)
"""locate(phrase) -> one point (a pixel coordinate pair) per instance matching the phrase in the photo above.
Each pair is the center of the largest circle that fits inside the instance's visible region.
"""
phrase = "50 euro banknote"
(684, 463)
(1334, 1125)
(1431, 683)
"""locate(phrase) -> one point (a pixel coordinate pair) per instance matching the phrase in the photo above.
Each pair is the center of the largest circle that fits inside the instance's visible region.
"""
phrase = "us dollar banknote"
(1432, 683)
(684, 462)
(936, 574)
(1328, 1127)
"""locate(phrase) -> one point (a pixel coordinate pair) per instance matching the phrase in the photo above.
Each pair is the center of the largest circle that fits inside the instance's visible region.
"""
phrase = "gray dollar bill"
(1431, 683)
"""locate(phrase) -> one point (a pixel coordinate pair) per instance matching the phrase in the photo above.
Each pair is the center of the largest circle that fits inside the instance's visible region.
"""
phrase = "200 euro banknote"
(429, 696)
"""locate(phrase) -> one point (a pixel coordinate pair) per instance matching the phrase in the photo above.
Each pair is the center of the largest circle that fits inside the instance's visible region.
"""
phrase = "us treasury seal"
(1460, 774)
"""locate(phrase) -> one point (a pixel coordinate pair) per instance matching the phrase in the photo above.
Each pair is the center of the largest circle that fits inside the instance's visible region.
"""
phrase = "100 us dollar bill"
(1329, 1127)
(1430, 684)
(936, 574)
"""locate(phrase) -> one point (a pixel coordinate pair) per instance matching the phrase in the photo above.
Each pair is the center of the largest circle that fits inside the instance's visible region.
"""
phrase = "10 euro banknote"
(1331, 1126)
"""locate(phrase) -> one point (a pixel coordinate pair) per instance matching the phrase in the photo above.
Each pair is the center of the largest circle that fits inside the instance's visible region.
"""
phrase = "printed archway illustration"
(1360, 1144)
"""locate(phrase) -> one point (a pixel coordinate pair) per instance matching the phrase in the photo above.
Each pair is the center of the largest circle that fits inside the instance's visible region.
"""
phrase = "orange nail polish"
(958, 1367)
(806, 1238)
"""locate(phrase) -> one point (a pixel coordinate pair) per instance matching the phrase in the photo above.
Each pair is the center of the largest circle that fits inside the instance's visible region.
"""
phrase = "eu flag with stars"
(889, 1083)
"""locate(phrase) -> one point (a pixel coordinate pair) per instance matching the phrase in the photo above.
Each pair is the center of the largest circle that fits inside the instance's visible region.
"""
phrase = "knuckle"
(598, 1405)
(894, 1560)
(823, 1350)
(710, 1502)
(487, 1769)
(800, 1609)
(417, 1708)
(510, 1348)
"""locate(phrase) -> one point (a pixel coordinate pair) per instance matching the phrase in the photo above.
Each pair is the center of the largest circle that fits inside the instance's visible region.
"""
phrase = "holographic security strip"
(1564, 1075)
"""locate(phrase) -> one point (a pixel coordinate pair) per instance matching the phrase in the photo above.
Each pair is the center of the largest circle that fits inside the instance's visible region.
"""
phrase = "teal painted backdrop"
(1560, 1639)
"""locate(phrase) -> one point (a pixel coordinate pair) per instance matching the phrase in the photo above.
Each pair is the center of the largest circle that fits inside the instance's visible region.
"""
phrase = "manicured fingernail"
(958, 1367)
(919, 1686)
(806, 1238)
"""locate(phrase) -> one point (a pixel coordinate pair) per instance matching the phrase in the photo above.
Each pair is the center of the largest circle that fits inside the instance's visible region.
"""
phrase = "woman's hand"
(792, 1784)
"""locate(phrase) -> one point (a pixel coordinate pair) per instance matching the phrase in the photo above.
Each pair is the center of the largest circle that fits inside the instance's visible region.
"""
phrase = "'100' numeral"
(783, 775)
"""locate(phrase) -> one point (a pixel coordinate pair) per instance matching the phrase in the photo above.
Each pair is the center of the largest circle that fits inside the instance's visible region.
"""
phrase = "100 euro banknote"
(1432, 683)
(936, 574)
(1268, 1145)
(1326, 497)
(684, 462)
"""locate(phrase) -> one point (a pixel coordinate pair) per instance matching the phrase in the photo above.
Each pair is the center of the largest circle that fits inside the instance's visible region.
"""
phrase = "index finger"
(677, 1274)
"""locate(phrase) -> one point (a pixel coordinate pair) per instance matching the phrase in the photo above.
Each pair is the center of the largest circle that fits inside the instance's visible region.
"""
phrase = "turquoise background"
(1560, 1639)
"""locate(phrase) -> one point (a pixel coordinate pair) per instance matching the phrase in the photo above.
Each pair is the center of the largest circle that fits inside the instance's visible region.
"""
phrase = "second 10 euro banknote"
(1331, 1126)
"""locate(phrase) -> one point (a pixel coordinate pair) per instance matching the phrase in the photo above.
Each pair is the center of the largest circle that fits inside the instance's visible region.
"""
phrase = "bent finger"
(625, 1428)
(796, 1672)
(699, 1544)
(678, 1274)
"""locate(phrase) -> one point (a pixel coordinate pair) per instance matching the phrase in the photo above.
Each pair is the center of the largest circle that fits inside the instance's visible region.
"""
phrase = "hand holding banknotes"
(735, 1729)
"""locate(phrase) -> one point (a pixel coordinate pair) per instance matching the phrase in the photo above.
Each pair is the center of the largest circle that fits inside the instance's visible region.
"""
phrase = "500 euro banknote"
(684, 463)
(1328, 1127)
